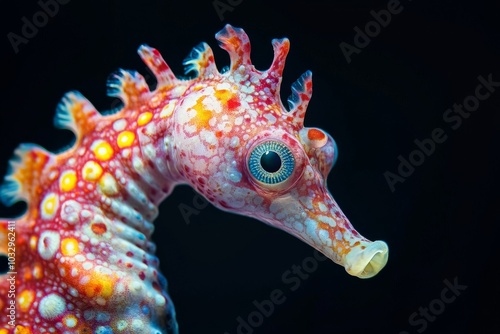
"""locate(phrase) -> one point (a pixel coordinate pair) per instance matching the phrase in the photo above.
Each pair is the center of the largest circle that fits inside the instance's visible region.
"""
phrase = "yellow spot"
(67, 182)
(33, 242)
(22, 330)
(108, 185)
(223, 95)
(91, 171)
(70, 321)
(25, 299)
(69, 246)
(125, 139)
(37, 271)
(4, 331)
(203, 115)
(103, 151)
(49, 206)
(144, 118)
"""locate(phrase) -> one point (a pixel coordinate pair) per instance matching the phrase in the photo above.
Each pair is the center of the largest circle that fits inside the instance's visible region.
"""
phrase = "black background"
(439, 223)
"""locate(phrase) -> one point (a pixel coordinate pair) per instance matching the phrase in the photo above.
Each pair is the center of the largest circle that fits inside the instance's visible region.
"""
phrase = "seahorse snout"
(367, 259)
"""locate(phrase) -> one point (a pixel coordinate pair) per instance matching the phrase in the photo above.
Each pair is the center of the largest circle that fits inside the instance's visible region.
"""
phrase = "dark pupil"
(270, 161)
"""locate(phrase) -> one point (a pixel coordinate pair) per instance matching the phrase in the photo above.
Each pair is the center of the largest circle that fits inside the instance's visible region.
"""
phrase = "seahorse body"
(84, 259)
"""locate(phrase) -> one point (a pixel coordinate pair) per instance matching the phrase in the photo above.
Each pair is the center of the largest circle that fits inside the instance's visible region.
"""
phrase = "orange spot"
(69, 246)
(84, 330)
(22, 330)
(315, 134)
(27, 274)
(33, 242)
(25, 299)
(37, 271)
(99, 228)
(100, 285)
(4, 331)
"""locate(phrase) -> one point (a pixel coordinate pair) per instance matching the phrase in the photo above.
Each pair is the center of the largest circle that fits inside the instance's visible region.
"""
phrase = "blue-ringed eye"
(271, 162)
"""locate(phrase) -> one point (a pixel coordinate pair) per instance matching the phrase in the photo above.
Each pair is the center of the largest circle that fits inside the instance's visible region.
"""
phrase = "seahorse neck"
(153, 160)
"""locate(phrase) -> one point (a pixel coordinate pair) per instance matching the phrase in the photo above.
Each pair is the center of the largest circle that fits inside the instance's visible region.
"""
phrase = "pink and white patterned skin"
(84, 259)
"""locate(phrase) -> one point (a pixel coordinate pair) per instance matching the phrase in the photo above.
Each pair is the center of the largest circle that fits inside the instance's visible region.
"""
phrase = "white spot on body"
(208, 136)
(190, 129)
(247, 89)
(138, 165)
(119, 125)
(298, 227)
(80, 258)
(73, 292)
(159, 300)
(325, 237)
(121, 325)
(51, 306)
(87, 265)
(48, 244)
(234, 175)
(149, 151)
(258, 200)
(70, 211)
(235, 141)
(270, 118)
(137, 325)
(311, 230)
(108, 185)
(167, 110)
(322, 207)
(327, 220)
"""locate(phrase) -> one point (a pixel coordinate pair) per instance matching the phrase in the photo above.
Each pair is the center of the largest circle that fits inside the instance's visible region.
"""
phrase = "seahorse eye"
(271, 162)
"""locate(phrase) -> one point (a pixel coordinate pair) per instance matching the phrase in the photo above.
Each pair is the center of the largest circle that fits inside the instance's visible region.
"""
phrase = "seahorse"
(81, 256)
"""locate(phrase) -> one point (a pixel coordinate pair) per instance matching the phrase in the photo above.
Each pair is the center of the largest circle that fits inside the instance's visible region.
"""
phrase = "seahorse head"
(238, 146)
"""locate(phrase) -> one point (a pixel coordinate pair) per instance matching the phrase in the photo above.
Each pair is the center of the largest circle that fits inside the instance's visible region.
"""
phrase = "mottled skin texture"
(84, 261)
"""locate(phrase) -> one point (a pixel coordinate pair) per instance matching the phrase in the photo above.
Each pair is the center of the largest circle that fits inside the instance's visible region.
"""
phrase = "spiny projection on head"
(84, 260)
